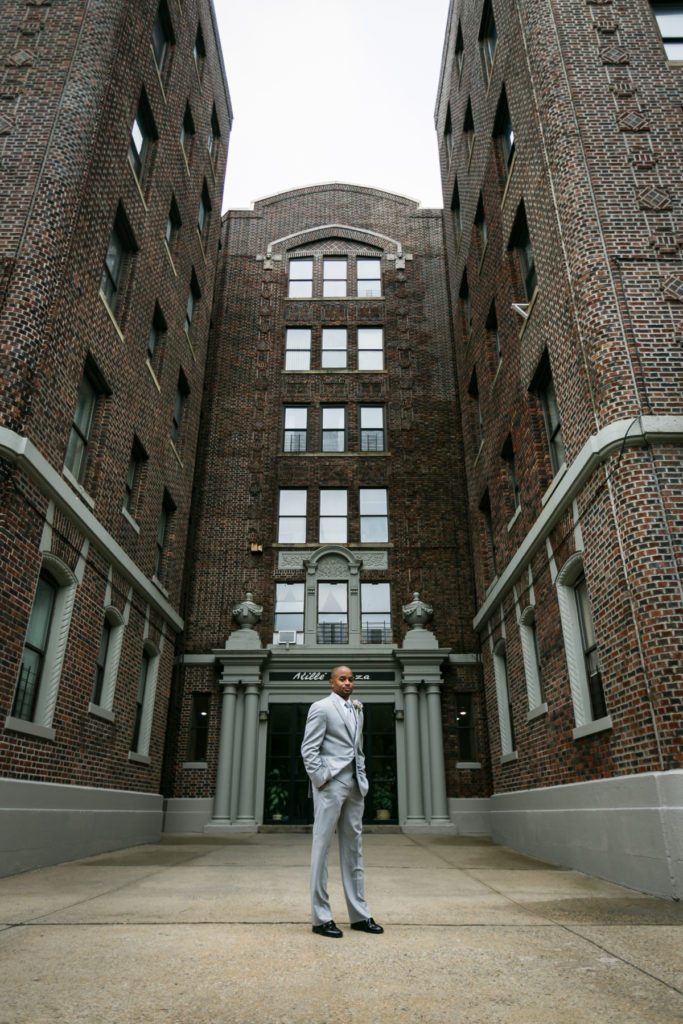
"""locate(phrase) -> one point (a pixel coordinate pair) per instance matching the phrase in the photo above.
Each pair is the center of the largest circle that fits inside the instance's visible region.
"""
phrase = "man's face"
(341, 681)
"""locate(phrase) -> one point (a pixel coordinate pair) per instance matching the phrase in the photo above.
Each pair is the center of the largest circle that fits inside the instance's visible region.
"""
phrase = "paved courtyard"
(203, 929)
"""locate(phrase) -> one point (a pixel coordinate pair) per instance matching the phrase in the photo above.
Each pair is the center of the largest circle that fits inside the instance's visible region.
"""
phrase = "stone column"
(221, 802)
(415, 813)
(246, 811)
(437, 772)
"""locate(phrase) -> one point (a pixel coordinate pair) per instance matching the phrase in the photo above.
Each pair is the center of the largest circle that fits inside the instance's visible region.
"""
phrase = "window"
(193, 296)
(167, 510)
(473, 392)
(544, 388)
(374, 520)
(81, 427)
(181, 396)
(589, 648)
(333, 428)
(300, 279)
(173, 225)
(580, 645)
(334, 348)
(465, 727)
(375, 605)
(371, 428)
(521, 243)
(298, 348)
(487, 38)
(131, 495)
(369, 275)
(199, 49)
(204, 211)
(334, 277)
(292, 517)
(465, 304)
(504, 132)
(143, 134)
(289, 613)
(295, 428)
(532, 658)
(157, 330)
(490, 544)
(101, 662)
(187, 131)
(459, 50)
(670, 23)
(333, 516)
(468, 129)
(144, 701)
(508, 456)
(107, 663)
(333, 613)
(162, 36)
(198, 740)
(505, 719)
(213, 138)
(448, 134)
(482, 226)
(35, 648)
(120, 250)
(494, 336)
(456, 213)
(370, 348)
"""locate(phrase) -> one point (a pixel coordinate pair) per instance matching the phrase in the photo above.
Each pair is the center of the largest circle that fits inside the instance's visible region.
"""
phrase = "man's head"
(341, 681)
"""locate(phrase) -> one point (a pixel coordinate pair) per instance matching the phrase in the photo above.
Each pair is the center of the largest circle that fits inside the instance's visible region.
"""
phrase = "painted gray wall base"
(470, 815)
(43, 823)
(627, 830)
(187, 814)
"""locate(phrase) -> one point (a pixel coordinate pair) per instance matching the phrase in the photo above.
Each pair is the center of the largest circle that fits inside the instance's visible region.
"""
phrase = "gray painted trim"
(99, 712)
(44, 732)
(599, 725)
(464, 659)
(19, 451)
(332, 227)
(638, 432)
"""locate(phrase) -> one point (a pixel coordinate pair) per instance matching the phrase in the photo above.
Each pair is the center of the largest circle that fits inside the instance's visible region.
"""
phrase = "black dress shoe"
(368, 925)
(329, 929)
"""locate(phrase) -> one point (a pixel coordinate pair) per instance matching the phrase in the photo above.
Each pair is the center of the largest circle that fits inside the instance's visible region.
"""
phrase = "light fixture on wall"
(263, 715)
(398, 714)
(256, 548)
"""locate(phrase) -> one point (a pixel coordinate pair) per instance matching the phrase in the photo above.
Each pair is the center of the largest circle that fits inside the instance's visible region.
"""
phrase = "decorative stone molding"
(247, 613)
(654, 198)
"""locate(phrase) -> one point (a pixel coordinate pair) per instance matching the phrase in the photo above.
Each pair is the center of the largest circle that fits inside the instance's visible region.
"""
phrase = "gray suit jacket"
(328, 745)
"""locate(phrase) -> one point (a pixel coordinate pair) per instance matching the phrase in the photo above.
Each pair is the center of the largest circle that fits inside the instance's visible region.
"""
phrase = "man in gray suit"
(332, 750)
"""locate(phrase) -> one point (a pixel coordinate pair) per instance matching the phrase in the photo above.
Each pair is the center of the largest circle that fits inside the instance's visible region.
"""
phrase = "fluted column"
(246, 811)
(221, 802)
(436, 764)
(412, 730)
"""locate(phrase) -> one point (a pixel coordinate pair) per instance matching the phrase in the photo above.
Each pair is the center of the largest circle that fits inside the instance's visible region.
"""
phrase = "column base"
(440, 825)
(223, 825)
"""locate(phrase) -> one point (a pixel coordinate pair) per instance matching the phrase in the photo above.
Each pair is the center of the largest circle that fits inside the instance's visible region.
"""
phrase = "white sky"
(332, 90)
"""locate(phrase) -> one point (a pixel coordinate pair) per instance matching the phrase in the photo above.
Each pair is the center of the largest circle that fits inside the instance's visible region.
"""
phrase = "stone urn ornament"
(247, 613)
(417, 612)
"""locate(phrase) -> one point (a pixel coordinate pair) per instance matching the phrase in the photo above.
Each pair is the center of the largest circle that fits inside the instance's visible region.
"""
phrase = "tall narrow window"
(193, 296)
(487, 37)
(370, 348)
(456, 213)
(155, 337)
(465, 305)
(521, 243)
(333, 428)
(292, 517)
(489, 537)
(465, 727)
(580, 644)
(300, 278)
(199, 50)
(143, 681)
(334, 277)
(482, 226)
(289, 613)
(369, 277)
(459, 50)
(101, 661)
(333, 516)
(468, 129)
(136, 462)
(214, 136)
(473, 392)
(173, 225)
(589, 648)
(532, 658)
(333, 613)
(143, 134)
(375, 608)
(81, 428)
(504, 699)
(448, 134)
(298, 348)
(187, 131)
(494, 335)
(508, 456)
(504, 132)
(163, 531)
(204, 211)
(120, 250)
(181, 396)
(35, 648)
(371, 428)
(295, 428)
(162, 37)
(374, 519)
(198, 739)
(670, 23)
(334, 348)
(542, 385)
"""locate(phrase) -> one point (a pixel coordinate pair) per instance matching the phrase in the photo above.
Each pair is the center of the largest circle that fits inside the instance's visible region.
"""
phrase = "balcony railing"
(376, 633)
(295, 441)
(372, 440)
(333, 633)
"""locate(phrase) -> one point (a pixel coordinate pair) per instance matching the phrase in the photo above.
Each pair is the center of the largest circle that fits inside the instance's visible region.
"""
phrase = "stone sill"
(42, 732)
(99, 712)
(138, 758)
(538, 712)
(470, 765)
(590, 728)
(509, 758)
(194, 765)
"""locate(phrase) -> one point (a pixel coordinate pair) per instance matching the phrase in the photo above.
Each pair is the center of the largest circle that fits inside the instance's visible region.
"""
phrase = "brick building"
(559, 132)
(114, 122)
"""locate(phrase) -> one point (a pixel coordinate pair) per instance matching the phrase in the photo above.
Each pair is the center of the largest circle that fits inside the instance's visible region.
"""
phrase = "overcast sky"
(332, 90)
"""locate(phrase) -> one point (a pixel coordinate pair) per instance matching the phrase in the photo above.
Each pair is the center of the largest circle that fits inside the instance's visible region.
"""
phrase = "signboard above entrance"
(312, 676)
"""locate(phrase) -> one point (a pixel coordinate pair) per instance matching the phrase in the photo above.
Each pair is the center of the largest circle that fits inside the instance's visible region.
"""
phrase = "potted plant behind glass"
(277, 794)
(383, 796)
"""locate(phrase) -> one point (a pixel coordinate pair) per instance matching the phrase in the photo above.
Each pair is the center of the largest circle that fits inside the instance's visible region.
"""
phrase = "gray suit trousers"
(339, 805)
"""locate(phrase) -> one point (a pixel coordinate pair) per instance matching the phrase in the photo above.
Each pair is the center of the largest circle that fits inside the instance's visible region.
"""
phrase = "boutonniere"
(357, 706)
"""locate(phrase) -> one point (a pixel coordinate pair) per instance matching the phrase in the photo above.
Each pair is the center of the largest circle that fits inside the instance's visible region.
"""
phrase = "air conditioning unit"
(375, 636)
(286, 636)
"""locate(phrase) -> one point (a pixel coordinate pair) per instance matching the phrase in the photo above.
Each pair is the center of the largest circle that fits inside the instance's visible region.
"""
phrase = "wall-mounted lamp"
(256, 548)
(263, 715)
(398, 714)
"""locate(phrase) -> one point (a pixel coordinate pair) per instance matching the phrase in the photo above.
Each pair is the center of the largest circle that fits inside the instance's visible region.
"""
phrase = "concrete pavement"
(205, 930)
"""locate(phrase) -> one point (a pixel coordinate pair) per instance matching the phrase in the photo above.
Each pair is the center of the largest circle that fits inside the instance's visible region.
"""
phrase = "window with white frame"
(370, 348)
(335, 273)
(532, 659)
(298, 348)
(580, 644)
(503, 699)
(333, 516)
(289, 613)
(334, 348)
(333, 432)
(333, 613)
(372, 428)
(375, 606)
(292, 516)
(374, 519)
(107, 662)
(294, 438)
(369, 277)
(144, 700)
(300, 278)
